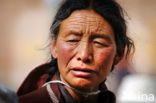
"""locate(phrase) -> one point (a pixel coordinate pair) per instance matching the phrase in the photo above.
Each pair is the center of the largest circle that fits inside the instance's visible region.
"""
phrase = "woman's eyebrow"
(74, 33)
(93, 36)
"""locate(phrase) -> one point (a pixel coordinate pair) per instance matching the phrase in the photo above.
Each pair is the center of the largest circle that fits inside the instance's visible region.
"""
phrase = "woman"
(88, 39)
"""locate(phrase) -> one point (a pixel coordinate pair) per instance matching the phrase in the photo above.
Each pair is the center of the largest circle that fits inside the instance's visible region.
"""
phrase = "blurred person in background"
(88, 39)
(7, 95)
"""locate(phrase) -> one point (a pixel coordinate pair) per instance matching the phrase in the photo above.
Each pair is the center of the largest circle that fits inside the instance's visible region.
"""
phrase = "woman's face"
(85, 50)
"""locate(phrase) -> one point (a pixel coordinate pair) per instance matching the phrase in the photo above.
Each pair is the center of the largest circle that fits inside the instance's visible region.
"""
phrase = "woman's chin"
(83, 85)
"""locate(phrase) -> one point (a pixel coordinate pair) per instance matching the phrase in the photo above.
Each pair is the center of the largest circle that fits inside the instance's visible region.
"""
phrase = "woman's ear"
(116, 60)
(53, 48)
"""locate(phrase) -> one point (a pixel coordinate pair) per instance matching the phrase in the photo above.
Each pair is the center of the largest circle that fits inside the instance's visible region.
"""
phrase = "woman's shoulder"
(35, 79)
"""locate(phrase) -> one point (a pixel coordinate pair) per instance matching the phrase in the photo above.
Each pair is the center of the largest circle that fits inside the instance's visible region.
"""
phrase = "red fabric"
(37, 96)
(42, 80)
(31, 82)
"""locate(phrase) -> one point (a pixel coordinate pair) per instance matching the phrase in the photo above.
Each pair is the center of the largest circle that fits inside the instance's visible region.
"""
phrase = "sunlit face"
(85, 50)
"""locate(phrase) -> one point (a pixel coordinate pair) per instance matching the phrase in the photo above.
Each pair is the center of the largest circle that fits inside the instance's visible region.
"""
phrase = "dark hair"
(108, 9)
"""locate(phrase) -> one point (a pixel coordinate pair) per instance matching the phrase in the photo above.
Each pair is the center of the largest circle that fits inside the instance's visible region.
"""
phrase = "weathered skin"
(85, 42)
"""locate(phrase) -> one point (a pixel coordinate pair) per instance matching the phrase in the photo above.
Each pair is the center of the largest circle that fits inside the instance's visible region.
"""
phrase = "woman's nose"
(84, 53)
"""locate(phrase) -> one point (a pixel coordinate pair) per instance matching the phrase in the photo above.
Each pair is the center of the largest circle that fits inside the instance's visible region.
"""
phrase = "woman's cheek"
(64, 52)
(104, 61)
(105, 57)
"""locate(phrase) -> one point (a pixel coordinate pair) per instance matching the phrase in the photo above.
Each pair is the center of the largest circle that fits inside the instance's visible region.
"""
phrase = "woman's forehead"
(86, 21)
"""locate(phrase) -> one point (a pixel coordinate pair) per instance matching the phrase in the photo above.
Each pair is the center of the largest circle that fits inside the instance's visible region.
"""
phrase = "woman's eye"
(73, 41)
(100, 44)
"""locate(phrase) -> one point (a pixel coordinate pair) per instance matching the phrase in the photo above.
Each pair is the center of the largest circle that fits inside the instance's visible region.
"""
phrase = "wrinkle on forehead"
(87, 21)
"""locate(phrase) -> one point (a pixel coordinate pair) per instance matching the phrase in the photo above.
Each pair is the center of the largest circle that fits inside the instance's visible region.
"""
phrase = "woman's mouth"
(82, 72)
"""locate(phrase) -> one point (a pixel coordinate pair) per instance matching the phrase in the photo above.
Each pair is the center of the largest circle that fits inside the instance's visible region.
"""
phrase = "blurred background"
(24, 36)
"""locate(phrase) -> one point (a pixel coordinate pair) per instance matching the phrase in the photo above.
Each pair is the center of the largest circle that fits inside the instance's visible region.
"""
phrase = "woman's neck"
(79, 98)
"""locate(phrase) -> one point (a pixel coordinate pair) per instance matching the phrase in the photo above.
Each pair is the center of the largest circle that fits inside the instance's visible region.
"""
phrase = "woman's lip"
(83, 72)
